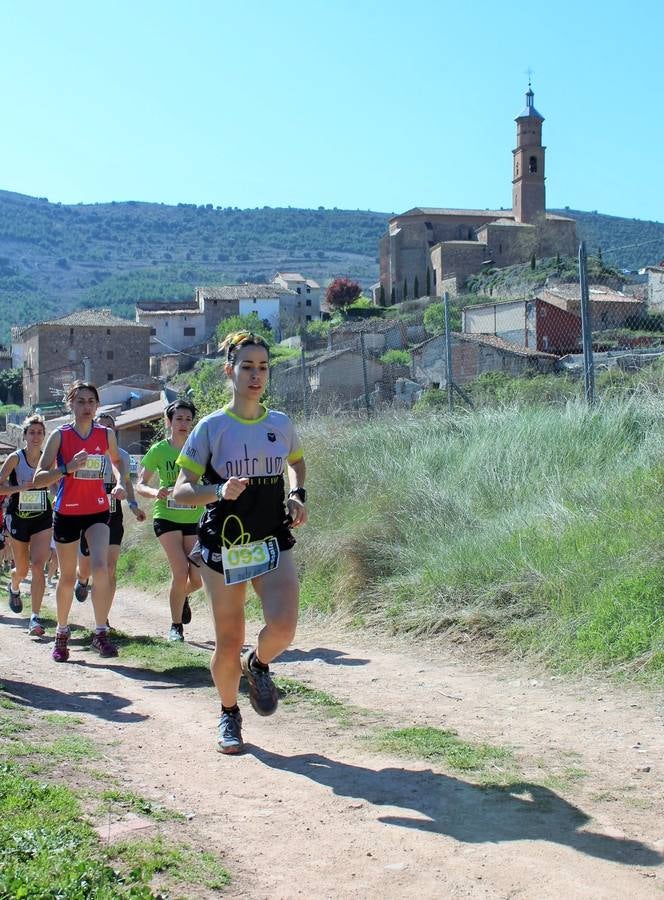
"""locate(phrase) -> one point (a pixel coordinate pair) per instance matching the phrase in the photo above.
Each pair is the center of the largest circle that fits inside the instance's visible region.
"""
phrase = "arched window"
(532, 165)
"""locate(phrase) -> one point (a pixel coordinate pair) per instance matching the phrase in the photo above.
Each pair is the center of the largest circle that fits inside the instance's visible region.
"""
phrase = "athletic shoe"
(230, 733)
(186, 612)
(61, 650)
(176, 633)
(15, 602)
(81, 590)
(103, 645)
(263, 694)
(35, 628)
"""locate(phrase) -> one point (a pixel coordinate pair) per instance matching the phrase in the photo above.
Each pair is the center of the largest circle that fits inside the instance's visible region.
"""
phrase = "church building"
(429, 251)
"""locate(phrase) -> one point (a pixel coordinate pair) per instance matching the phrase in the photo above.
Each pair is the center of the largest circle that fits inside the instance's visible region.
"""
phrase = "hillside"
(54, 258)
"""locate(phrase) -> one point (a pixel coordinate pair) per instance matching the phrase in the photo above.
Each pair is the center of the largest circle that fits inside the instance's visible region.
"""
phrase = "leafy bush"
(249, 322)
(395, 358)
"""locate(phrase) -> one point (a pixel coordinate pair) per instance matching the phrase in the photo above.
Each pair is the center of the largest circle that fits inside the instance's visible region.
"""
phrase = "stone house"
(338, 376)
(608, 308)
(305, 306)
(173, 326)
(655, 290)
(473, 355)
(92, 344)
(528, 323)
(379, 334)
(441, 248)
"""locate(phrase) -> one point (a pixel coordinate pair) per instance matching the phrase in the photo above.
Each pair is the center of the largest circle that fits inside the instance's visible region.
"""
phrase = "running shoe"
(61, 650)
(103, 644)
(263, 694)
(81, 590)
(35, 628)
(15, 602)
(230, 733)
(176, 633)
(186, 612)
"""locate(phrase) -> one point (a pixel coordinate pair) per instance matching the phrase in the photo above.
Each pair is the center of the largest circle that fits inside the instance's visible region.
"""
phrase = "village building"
(378, 334)
(427, 251)
(474, 355)
(608, 308)
(90, 344)
(286, 304)
(529, 323)
(655, 289)
(306, 305)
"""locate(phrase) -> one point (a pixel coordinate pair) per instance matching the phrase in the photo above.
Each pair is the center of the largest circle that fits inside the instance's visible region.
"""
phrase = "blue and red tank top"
(82, 493)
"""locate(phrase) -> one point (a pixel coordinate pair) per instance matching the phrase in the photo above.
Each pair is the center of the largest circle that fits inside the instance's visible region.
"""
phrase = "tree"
(11, 386)
(342, 292)
(416, 288)
(393, 295)
(405, 289)
(250, 322)
(381, 296)
(428, 281)
(434, 318)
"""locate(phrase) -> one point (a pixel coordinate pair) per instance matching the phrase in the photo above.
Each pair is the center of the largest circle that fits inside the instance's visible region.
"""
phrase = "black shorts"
(115, 534)
(210, 550)
(22, 529)
(67, 529)
(163, 526)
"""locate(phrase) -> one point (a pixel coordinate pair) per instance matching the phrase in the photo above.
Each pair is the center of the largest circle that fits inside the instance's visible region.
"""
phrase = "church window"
(532, 165)
(517, 168)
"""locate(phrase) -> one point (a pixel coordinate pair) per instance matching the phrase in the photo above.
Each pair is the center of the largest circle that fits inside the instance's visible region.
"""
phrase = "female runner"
(174, 524)
(234, 462)
(74, 457)
(28, 521)
(115, 522)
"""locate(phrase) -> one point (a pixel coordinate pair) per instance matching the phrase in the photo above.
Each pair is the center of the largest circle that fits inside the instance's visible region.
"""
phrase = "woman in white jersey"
(29, 521)
(234, 462)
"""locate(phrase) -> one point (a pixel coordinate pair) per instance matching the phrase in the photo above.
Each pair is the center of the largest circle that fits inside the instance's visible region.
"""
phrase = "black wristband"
(298, 492)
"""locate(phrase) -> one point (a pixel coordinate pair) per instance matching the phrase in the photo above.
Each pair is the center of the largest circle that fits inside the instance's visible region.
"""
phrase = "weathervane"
(529, 73)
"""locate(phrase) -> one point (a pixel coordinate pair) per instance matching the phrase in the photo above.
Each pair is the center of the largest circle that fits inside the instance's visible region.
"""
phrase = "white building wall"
(170, 329)
(264, 309)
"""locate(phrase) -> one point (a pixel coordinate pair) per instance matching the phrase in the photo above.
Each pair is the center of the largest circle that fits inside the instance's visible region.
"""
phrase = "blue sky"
(369, 105)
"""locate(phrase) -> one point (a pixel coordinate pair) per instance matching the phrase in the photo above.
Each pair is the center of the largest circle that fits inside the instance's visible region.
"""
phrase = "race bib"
(92, 468)
(32, 501)
(171, 504)
(243, 562)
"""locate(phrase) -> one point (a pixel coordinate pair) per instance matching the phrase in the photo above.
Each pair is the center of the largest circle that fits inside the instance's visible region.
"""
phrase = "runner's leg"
(40, 547)
(278, 592)
(227, 602)
(97, 538)
(173, 546)
(194, 581)
(21, 554)
(64, 592)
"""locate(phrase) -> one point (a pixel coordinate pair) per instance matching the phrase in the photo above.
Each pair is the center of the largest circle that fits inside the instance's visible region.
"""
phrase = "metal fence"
(548, 332)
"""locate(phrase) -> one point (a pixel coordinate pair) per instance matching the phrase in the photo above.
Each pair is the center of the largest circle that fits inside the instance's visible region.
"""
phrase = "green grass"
(164, 657)
(537, 528)
(62, 720)
(479, 759)
(45, 843)
(155, 857)
(114, 799)
(71, 747)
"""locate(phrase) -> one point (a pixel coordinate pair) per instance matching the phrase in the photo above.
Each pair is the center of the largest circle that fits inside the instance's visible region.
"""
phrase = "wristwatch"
(298, 492)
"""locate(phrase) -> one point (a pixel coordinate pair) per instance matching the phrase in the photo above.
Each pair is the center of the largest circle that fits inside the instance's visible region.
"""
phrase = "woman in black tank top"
(28, 521)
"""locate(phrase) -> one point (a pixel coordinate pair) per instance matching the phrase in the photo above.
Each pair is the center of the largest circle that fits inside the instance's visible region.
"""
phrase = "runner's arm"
(296, 474)
(8, 467)
(48, 471)
(118, 466)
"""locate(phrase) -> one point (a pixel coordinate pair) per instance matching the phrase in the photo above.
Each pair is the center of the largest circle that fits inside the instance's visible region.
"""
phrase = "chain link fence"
(548, 332)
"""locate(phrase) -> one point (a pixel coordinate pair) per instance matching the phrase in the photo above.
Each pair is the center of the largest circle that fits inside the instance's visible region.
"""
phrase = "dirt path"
(310, 811)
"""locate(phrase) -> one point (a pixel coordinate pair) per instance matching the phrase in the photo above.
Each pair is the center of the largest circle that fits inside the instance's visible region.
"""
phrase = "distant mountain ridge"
(56, 257)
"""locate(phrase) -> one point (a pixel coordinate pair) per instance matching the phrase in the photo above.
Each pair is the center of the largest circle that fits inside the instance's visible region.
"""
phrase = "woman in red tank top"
(74, 456)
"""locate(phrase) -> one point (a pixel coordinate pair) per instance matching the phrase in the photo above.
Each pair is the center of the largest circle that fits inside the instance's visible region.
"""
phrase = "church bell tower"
(528, 198)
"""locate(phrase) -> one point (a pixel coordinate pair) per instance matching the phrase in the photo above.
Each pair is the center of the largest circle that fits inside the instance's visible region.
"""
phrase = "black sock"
(255, 663)
(230, 709)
